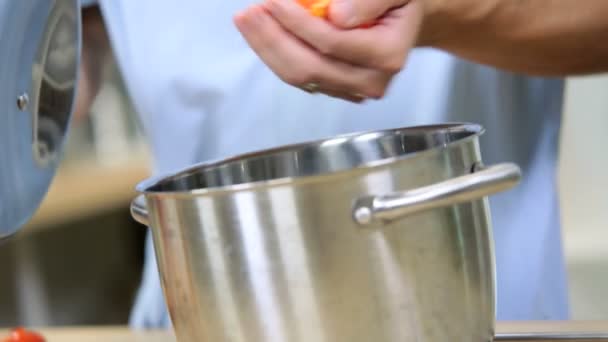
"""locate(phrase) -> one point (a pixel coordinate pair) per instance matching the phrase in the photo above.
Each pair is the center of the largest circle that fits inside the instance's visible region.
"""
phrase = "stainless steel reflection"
(38, 72)
(553, 337)
(483, 182)
(264, 247)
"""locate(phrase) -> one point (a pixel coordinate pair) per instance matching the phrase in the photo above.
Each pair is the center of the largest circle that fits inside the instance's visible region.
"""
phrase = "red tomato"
(22, 335)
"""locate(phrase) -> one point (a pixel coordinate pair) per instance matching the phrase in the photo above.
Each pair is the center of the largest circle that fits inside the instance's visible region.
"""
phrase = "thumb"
(353, 13)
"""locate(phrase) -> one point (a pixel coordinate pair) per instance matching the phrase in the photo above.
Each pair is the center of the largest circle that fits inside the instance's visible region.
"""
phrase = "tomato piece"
(320, 8)
(21, 334)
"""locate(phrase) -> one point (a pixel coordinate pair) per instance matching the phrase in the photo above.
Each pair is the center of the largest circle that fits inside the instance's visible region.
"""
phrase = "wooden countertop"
(124, 334)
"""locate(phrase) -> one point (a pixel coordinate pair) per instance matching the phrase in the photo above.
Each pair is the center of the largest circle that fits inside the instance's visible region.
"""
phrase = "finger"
(314, 89)
(298, 64)
(353, 13)
(383, 46)
(344, 96)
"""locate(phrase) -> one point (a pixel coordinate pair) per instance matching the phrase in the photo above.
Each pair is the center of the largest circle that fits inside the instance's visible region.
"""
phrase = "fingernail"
(342, 12)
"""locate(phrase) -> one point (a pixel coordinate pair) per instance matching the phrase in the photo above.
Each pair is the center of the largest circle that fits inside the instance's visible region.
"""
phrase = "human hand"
(334, 56)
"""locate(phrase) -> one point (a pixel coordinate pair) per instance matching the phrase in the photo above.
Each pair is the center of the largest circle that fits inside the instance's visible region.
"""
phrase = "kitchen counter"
(124, 334)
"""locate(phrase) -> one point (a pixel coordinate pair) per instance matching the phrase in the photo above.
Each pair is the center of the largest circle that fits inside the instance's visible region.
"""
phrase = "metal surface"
(22, 101)
(139, 211)
(547, 337)
(263, 247)
(38, 72)
(481, 183)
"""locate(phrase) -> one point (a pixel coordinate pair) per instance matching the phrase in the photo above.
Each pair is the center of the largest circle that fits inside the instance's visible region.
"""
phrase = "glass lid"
(39, 63)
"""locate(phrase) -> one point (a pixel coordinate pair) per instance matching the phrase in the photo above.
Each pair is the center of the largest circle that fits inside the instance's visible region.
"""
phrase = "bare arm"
(95, 52)
(543, 37)
(536, 37)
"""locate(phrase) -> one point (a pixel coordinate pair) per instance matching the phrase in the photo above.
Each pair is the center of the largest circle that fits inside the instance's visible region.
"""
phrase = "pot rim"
(144, 186)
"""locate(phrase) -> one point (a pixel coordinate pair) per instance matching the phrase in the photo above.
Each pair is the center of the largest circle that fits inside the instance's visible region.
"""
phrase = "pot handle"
(548, 337)
(139, 211)
(483, 181)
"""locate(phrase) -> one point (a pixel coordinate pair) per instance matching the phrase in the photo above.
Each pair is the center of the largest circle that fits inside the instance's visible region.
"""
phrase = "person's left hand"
(317, 55)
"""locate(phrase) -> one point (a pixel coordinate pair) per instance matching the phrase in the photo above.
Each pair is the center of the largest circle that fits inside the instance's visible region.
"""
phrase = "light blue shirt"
(201, 94)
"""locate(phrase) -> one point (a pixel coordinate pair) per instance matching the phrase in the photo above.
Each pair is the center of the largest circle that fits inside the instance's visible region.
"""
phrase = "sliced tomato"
(318, 8)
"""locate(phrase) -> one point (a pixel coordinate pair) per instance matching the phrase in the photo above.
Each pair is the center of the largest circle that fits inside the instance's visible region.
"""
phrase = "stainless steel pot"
(381, 236)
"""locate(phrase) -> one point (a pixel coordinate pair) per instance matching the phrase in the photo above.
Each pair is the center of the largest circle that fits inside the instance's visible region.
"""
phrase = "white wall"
(584, 194)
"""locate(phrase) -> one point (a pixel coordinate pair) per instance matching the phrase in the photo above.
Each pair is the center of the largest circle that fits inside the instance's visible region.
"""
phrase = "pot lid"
(39, 62)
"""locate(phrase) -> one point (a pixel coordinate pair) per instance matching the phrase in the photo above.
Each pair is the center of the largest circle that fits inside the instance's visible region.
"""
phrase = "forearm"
(543, 37)
(94, 55)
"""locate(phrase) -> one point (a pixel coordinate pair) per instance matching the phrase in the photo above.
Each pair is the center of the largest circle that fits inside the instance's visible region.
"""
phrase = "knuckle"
(391, 63)
(390, 59)
(294, 79)
(377, 90)
(298, 77)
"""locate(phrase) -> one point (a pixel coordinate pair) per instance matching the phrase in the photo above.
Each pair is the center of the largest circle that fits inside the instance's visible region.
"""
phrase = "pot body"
(254, 260)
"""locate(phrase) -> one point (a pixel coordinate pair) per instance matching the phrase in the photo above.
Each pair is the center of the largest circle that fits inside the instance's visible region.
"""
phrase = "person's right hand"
(335, 57)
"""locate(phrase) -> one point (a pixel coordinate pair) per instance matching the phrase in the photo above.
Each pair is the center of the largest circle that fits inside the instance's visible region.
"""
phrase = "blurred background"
(79, 261)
